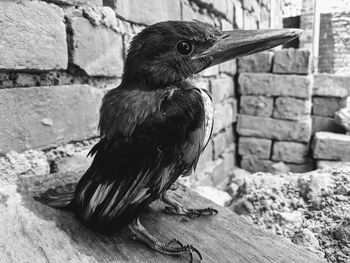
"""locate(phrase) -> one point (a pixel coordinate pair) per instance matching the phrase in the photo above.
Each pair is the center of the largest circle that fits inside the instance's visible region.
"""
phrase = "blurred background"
(279, 112)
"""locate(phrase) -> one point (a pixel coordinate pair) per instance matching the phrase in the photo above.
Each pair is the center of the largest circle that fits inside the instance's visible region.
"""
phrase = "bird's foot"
(177, 209)
(173, 248)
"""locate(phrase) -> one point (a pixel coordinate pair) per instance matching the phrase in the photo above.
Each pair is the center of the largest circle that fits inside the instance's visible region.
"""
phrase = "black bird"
(154, 126)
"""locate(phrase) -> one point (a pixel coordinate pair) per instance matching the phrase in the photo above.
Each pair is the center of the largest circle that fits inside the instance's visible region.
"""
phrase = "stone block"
(221, 89)
(222, 141)
(332, 164)
(290, 152)
(331, 146)
(258, 147)
(325, 106)
(302, 168)
(98, 53)
(224, 115)
(275, 85)
(210, 72)
(33, 36)
(229, 67)
(330, 85)
(292, 61)
(253, 164)
(256, 105)
(259, 62)
(282, 130)
(39, 117)
(291, 108)
(149, 11)
(320, 123)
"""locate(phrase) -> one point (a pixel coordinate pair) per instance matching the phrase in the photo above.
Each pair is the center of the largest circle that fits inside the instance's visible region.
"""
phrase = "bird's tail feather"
(59, 197)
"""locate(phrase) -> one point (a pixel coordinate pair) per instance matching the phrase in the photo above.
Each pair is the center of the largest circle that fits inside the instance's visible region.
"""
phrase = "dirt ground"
(311, 209)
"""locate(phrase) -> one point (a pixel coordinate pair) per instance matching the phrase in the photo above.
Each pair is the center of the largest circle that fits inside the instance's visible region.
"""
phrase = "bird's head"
(169, 52)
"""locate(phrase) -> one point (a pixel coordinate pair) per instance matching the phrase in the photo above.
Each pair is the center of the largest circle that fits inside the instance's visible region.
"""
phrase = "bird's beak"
(238, 43)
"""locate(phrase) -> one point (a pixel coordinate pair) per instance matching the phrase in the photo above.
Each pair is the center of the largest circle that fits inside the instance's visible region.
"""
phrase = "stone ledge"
(330, 85)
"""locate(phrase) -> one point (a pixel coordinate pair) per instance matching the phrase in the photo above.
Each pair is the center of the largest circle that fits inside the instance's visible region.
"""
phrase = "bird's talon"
(175, 241)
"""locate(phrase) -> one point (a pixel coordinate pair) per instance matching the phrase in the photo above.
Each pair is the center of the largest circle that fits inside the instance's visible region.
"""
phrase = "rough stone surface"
(275, 85)
(290, 152)
(320, 123)
(256, 105)
(254, 146)
(229, 67)
(149, 11)
(221, 141)
(42, 116)
(322, 106)
(222, 89)
(259, 62)
(291, 108)
(33, 36)
(330, 85)
(99, 53)
(331, 146)
(292, 61)
(283, 130)
(224, 115)
(254, 164)
(302, 168)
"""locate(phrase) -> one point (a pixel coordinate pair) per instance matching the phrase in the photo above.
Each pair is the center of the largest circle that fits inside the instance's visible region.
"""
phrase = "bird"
(154, 126)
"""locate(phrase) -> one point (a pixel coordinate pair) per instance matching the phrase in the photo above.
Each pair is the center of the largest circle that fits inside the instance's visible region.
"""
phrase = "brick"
(291, 108)
(290, 152)
(256, 105)
(39, 117)
(224, 115)
(253, 164)
(229, 67)
(323, 106)
(320, 123)
(149, 11)
(331, 146)
(259, 62)
(292, 61)
(260, 148)
(99, 53)
(222, 89)
(33, 36)
(330, 85)
(282, 130)
(275, 85)
(222, 141)
(332, 164)
(302, 168)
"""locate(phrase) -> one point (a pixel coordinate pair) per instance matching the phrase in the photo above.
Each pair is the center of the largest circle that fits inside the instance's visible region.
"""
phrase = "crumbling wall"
(59, 57)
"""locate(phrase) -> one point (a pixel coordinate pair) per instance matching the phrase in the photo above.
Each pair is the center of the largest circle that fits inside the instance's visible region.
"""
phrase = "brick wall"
(334, 49)
(58, 58)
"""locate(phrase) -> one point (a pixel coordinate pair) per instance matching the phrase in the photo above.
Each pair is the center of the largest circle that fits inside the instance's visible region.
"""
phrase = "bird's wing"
(131, 171)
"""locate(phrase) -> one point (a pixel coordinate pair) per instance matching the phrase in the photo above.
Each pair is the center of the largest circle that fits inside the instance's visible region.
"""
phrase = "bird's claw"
(186, 248)
(179, 210)
(202, 212)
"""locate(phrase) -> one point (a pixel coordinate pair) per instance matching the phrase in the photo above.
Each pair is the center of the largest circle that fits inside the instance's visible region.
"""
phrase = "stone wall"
(59, 57)
(274, 124)
(334, 49)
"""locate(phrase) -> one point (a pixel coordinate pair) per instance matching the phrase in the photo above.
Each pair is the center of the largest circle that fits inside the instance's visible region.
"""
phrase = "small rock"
(306, 238)
(47, 122)
(295, 217)
(341, 190)
(242, 207)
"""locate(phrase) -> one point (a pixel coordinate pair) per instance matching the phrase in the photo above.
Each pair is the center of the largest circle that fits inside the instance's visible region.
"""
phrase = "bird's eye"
(184, 47)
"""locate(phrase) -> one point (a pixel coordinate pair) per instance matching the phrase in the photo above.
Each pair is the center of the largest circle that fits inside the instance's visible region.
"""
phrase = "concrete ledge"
(32, 232)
